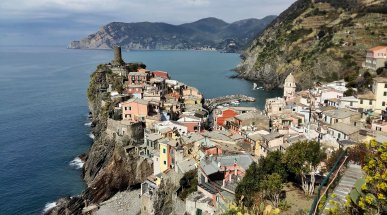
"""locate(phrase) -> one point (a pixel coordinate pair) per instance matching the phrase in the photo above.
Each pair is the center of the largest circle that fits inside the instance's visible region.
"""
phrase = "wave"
(49, 206)
(88, 124)
(91, 135)
(77, 163)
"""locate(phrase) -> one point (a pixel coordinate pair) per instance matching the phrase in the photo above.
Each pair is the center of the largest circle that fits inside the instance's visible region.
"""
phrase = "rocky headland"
(109, 167)
(205, 34)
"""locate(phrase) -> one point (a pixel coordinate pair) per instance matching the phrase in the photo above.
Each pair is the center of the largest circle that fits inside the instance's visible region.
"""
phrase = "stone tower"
(289, 87)
(117, 61)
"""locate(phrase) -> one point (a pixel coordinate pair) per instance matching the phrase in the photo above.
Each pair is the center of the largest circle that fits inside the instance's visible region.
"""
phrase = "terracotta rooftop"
(377, 48)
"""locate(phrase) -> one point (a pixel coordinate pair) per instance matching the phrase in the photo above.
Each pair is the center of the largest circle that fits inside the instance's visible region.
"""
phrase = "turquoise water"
(43, 110)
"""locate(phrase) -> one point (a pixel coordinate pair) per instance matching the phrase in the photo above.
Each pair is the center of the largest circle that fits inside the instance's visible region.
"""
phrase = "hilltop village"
(200, 152)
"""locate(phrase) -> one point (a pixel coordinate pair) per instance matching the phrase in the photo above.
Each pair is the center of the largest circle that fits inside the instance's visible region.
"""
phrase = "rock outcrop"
(316, 40)
(109, 167)
(204, 33)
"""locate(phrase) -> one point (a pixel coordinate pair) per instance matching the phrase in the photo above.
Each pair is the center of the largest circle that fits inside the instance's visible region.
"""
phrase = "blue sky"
(56, 22)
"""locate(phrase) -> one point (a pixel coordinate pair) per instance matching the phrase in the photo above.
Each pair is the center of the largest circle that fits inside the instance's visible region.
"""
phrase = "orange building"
(134, 110)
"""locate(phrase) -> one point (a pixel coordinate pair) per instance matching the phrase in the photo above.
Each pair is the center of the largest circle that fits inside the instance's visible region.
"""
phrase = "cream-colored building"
(379, 88)
(377, 98)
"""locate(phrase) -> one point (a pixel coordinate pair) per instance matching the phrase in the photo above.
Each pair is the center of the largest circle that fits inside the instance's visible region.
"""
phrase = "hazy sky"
(28, 22)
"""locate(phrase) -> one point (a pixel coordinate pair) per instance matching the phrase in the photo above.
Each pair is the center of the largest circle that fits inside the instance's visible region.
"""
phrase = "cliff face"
(209, 32)
(109, 167)
(316, 40)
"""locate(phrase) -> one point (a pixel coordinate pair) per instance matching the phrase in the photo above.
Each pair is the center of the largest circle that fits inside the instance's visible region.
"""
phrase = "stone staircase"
(346, 184)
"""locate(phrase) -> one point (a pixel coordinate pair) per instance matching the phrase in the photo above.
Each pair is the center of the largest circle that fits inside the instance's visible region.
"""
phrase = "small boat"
(235, 103)
(226, 105)
(255, 85)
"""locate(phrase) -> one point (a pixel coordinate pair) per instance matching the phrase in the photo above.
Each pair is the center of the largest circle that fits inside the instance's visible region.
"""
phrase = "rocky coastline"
(108, 168)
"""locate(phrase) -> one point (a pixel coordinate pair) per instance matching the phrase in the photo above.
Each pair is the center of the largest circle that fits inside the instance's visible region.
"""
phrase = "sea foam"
(48, 206)
(91, 135)
(77, 163)
(88, 124)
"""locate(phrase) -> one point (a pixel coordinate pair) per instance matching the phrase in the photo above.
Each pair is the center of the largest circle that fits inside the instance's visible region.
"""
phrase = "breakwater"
(227, 99)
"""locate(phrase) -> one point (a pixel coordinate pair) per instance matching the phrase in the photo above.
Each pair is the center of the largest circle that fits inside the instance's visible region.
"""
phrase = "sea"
(43, 113)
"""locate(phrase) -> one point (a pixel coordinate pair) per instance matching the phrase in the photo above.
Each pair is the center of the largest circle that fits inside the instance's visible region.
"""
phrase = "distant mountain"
(316, 40)
(202, 34)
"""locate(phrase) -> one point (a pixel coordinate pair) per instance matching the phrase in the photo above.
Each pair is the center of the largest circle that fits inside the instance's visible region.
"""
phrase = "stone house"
(274, 105)
(270, 142)
(342, 115)
(342, 131)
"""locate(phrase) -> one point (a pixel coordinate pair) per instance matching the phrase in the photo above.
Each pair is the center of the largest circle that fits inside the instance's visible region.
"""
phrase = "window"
(385, 85)
(164, 151)
(385, 94)
(361, 101)
(165, 162)
(383, 104)
(338, 135)
(370, 102)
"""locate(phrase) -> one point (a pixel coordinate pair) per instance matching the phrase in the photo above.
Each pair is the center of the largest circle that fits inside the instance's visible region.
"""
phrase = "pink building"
(134, 110)
(376, 57)
(379, 125)
(135, 90)
(192, 123)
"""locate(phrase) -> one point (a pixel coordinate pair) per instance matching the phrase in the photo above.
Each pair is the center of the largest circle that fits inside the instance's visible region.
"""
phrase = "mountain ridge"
(204, 33)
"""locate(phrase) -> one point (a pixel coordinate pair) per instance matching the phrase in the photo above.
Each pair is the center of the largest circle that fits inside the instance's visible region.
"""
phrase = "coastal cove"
(43, 112)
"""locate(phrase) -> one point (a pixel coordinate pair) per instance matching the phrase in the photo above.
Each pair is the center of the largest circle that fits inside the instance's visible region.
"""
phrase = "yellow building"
(377, 99)
(167, 154)
(164, 155)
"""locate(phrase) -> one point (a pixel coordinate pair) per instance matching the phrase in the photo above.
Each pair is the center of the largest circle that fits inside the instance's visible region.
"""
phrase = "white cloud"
(142, 10)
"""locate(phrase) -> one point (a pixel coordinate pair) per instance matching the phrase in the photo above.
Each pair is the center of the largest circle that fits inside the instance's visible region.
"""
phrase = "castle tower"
(289, 87)
(117, 61)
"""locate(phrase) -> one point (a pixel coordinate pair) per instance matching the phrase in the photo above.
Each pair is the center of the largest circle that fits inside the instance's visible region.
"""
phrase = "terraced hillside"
(320, 40)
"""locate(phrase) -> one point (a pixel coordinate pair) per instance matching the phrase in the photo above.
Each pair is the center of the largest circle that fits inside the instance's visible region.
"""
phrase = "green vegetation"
(188, 183)
(97, 81)
(374, 198)
(271, 187)
(255, 186)
(264, 180)
(298, 34)
(303, 158)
